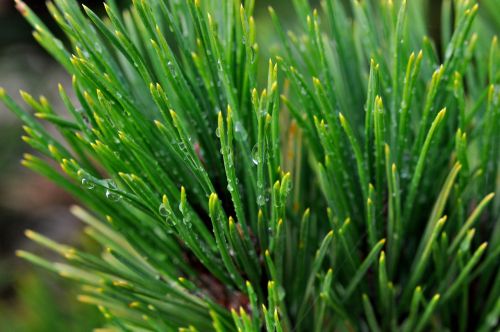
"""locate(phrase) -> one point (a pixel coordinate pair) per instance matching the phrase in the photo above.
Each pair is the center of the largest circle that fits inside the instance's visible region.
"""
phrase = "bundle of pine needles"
(351, 192)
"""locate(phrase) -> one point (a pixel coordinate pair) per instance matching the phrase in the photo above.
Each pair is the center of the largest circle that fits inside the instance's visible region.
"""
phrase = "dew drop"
(88, 184)
(187, 221)
(261, 200)
(255, 154)
(171, 67)
(163, 210)
(252, 55)
(114, 197)
(217, 132)
(110, 183)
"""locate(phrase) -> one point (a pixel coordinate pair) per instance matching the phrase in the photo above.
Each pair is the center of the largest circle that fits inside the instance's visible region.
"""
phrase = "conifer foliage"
(347, 185)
